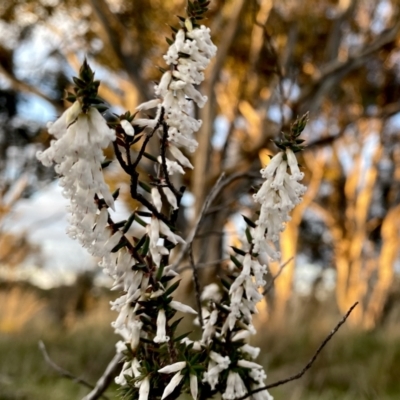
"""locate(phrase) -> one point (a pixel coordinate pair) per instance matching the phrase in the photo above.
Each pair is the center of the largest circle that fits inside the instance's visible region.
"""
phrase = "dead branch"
(63, 372)
(276, 276)
(105, 380)
(308, 365)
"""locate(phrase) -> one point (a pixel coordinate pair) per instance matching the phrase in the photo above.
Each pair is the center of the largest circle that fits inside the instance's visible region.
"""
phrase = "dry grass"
(354, 365)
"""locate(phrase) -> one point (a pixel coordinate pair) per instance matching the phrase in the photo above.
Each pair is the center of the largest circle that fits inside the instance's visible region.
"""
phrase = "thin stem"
(196, 284)
(275, 277)
(63, 372)
(309, 364)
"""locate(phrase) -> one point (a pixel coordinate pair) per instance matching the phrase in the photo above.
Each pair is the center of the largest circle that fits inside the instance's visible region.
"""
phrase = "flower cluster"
(278, 195)
(78, 154)
(188, 56)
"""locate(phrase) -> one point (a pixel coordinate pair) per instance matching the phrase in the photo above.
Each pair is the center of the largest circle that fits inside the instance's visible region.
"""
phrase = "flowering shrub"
(159, 364)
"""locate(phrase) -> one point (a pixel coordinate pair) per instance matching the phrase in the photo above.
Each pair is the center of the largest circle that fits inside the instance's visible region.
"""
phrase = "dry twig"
(275, 277)
(63, 372)
(105, 380)
(309, 364)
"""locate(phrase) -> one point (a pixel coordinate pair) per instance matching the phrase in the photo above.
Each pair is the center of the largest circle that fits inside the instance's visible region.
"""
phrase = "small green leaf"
(145, 187)
(235, 261)
(249, 222)
(172, 288)
(139, 220)
(238, 251)
(248, 236)
(128, 223)
(116, 194)
(145, 248)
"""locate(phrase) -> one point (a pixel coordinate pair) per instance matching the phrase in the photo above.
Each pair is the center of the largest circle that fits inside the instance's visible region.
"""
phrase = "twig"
(309, 364)
(210, 198)
(275, 277)
(196, 285)
(105, 380)
(219, 185)
(63, 372)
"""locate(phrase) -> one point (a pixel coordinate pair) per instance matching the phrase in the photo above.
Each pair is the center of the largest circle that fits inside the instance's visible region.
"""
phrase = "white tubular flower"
(161, 336)
(241, 335)
(235, 387)
(209, 328)
(294, 167)
(136, 327)
(127, 127)
(176, 305)
(194, 386)
(148, 105)
(172, 237)
(172, 166)
(215, 366)
(229, 393)
(240, 388)
(125, 371)
(170, 197)
(253, 352)
(180, 157)
(211, 292)
(170, 369)
(156, 197)
(248, 364)
(144, 389)
(175, 381)
(220, 360)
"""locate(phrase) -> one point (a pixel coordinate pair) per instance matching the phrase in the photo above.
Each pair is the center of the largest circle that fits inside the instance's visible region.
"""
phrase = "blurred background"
(337, 59)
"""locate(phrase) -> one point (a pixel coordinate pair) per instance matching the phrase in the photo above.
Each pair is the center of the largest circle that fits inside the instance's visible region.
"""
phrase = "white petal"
(194, 388)
(127, 127)
(170, 369)
(176, 379)
(176, 305)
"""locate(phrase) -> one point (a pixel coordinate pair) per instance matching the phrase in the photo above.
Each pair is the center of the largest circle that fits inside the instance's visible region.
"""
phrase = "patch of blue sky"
(221, 130)
(34, 108)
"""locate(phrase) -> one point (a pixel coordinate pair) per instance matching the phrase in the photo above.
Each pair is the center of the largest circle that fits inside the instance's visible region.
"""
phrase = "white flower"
(223, 362)
(248, 364)
(148, 105)
(176, 379)
(156, 197)
(294, 167)
(179, 156)
(235, 387)
(172, 166)
(209, 328)
(211, 292)
(161, 336)
(169, 369)
(170, 197)
(176, 305)
(135, 329)
(144, 389)
(194, 387)
(127, 127)
(253, 352)
(241, 335)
